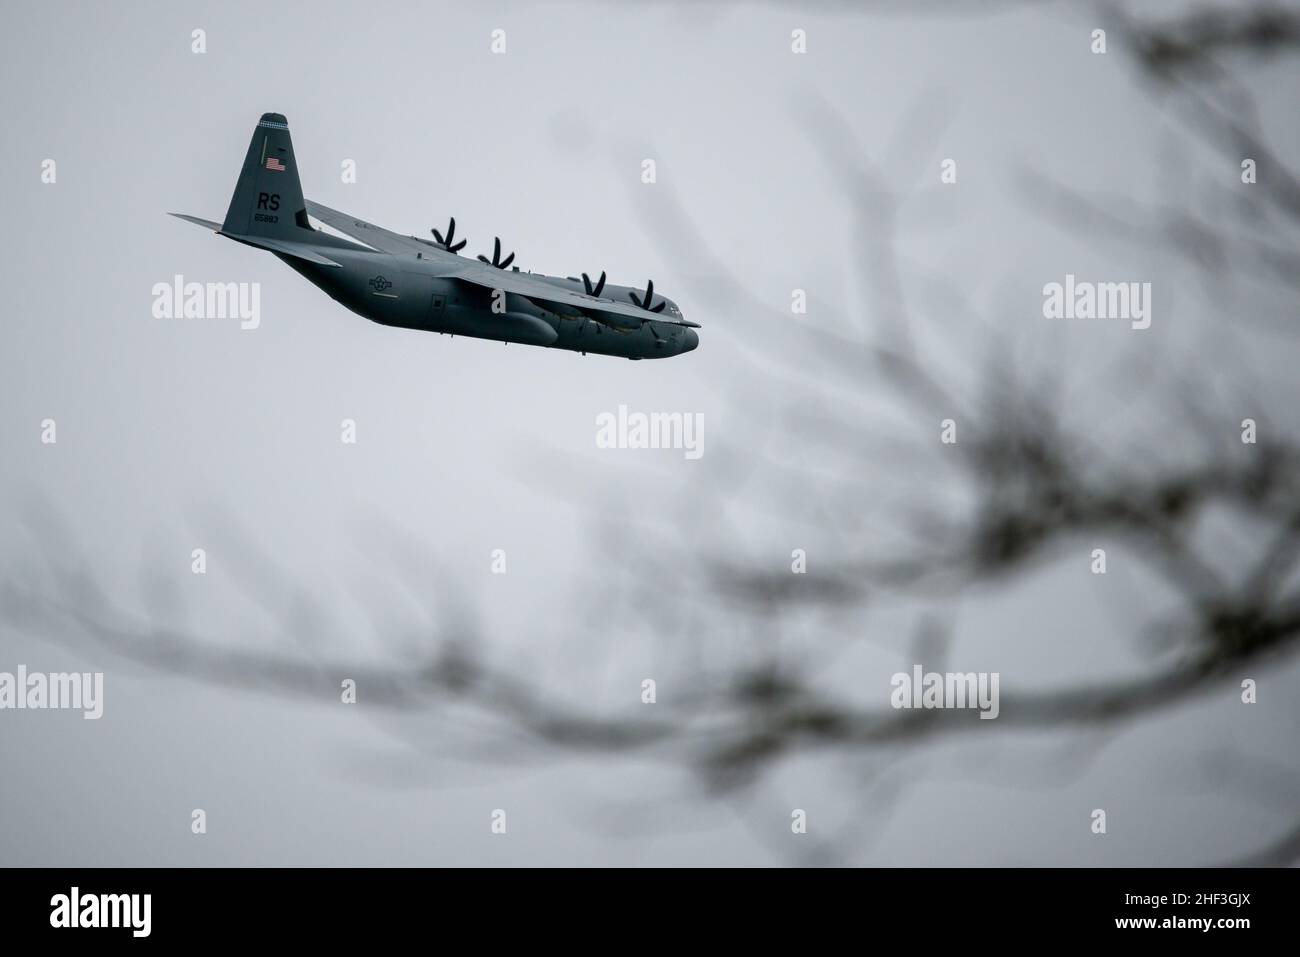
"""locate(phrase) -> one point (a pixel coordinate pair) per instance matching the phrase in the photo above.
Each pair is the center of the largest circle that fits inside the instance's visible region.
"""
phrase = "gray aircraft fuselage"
(407, 294)
(413, 283)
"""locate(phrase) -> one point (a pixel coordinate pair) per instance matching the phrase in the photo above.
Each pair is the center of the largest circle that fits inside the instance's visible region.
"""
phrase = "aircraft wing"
(568, 302)
(382, 239)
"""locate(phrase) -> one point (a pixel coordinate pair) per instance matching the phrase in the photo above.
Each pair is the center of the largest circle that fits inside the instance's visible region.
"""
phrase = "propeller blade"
(649, 298)
(586, 283)
(447, 241)
(496, 259)
(600, 284)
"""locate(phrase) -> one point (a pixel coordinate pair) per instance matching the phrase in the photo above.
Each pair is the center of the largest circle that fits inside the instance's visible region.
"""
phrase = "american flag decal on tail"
(275, 164)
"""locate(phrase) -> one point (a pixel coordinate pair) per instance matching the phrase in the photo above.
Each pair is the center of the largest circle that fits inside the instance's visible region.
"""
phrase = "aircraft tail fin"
(268, 196)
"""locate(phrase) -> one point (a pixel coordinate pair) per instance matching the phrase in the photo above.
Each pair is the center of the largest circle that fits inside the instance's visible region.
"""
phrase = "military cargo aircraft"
(415, 283)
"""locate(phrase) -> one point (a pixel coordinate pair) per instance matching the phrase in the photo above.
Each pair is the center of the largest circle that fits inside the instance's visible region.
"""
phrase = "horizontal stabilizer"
(215, 227)
(284, 247)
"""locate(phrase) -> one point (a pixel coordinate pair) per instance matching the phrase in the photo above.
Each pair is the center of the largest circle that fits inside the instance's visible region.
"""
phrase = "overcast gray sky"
(181, 434)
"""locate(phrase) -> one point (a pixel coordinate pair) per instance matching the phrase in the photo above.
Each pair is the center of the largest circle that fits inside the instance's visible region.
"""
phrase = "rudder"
(268, 196)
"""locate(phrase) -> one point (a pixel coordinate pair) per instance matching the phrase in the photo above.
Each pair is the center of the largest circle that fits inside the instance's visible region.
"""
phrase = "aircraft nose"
(692, 340)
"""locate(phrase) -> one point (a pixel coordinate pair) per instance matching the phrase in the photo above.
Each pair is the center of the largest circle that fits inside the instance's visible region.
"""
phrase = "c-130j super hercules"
(417, 284)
